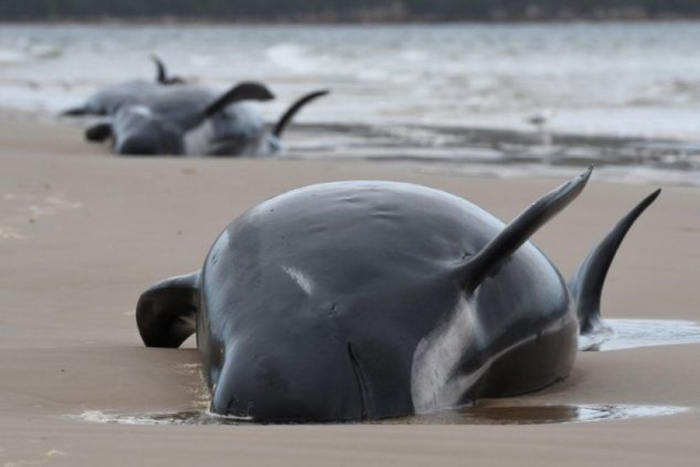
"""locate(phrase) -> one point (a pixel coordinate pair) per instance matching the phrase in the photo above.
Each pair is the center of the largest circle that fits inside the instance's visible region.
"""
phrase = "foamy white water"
(495, 415)
(635, 333)
(616, 79)
(622, 96)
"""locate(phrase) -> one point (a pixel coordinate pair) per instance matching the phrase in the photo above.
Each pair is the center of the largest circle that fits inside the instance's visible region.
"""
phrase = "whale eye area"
(332, 309)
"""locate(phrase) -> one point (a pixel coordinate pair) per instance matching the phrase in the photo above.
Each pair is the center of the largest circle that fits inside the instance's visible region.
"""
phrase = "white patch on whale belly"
(304, 282)
(435, 384)
(197, 139)
(141, 110)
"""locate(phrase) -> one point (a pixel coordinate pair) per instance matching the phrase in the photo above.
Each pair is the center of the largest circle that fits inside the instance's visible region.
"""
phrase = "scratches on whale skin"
(302, 280)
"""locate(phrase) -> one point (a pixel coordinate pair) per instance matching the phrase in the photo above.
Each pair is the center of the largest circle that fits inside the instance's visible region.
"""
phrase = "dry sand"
(82, 233)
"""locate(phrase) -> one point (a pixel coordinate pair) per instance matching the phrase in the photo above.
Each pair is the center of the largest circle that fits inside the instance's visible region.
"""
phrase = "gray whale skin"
(367, 300)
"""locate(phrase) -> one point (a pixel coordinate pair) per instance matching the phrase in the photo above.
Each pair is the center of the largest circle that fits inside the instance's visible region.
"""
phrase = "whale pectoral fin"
(165, 313)
(99, 132)
(587, 283)
(75, 112)
(485, 262)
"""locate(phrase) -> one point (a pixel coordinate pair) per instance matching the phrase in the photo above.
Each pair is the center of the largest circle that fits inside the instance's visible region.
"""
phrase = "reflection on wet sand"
(474, 151)
(529, 415)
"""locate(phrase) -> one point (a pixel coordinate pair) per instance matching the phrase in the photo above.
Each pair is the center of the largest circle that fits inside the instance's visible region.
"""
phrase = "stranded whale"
(192, 120)
(367, 300)
(244, 134)
(108, 100)
(159, 125)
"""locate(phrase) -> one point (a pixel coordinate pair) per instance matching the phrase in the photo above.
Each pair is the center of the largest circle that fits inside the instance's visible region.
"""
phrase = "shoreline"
(310, 21)
(473, 151)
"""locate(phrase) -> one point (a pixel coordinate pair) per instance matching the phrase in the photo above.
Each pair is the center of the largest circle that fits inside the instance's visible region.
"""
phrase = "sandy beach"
(83, 232)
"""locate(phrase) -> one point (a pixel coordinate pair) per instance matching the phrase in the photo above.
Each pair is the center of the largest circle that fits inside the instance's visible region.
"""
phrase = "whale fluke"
(165, 313)
(294, 108)
(587, 283)
(241, 92)
(498, 250)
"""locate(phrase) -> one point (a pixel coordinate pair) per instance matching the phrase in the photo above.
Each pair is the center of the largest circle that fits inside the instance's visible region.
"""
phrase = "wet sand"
(83, 232)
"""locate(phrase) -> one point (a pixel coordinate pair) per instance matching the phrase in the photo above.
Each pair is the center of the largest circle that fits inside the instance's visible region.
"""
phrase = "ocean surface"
(458, 97)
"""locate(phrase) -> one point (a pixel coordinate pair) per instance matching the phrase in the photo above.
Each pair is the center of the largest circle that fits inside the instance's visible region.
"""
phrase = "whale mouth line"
(359, 378)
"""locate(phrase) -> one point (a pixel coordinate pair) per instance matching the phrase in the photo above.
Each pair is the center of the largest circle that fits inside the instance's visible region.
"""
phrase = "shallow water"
(588, 78)
(503, 153)
(189, 417)
(489, 415)
(531, 415)
(461, 93)
(634, 333)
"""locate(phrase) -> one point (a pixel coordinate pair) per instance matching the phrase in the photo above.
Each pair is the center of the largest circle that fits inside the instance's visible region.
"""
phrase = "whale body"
(109, 99)
(188, 119)
(367, 300)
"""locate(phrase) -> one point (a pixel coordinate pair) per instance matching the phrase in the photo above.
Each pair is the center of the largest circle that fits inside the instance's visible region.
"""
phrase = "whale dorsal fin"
(294, 108)
(242, 92)
(474, 270)
(165, 313)
(161, 72)
(587, 283)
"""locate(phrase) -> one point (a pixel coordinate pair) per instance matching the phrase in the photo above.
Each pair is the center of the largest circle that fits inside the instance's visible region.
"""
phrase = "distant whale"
(159, 124)
(163, 77)
(192, 120)
(109, 99)
(240, 132)
(368, 300)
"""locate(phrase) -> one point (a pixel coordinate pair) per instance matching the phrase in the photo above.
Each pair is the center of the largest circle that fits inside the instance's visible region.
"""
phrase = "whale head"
(140, 131)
